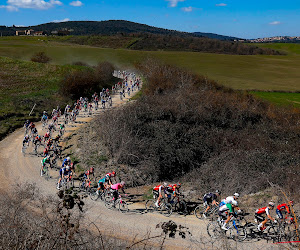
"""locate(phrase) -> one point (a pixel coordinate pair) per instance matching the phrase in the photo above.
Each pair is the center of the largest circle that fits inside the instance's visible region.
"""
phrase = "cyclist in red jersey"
(259, 216)
(284, 207)
(158, 192)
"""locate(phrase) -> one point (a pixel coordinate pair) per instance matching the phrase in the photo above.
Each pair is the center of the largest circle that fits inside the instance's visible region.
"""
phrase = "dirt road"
(15, 167)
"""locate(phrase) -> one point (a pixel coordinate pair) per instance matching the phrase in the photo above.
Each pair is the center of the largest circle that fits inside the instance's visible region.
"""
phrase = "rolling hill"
(110, 27)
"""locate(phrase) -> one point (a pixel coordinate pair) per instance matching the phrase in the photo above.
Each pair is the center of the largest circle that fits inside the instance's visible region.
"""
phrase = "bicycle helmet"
(68, 158)
(178, 184)
(271, 204)
(67, 167)
(122, 183)
(237, 195)
(48, 156)
(234, 203)
(165, 184)
(218, 192)
(291, 203)
(113, 173)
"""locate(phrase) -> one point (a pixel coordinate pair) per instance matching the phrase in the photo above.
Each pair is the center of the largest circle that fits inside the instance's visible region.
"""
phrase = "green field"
(23, 84)
(263, 73)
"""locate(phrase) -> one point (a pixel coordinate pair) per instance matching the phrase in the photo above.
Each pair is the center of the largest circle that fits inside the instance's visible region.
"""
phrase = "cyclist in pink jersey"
(116, 187)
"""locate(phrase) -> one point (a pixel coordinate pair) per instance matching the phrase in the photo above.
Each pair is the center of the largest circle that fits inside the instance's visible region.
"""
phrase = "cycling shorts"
(155, 194)
(207, 200)
(222, 203)
(259, 217)
(278, 212)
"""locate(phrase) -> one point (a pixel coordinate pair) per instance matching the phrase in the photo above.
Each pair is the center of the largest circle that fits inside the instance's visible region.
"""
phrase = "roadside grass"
(24, 84)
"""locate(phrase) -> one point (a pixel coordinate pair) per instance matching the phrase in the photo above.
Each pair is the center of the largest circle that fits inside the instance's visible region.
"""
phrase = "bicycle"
(45, 173)
(179, 205)
(67, 182)
(235, 231)
(271, 232)
(111, 203)
(164, 208)
(100, 195)
(200, 209)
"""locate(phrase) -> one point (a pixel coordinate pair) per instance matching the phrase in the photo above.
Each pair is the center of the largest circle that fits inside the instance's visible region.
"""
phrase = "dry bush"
(187, 125)
(40, 57)
(85, 82)
(29, 220)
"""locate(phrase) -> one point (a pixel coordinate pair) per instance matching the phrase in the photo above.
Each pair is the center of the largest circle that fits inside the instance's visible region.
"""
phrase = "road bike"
(120, 204)
(100, 195)
(45, 173)
(179, 205)
(234, 231)
(211, 213)
(164, 207)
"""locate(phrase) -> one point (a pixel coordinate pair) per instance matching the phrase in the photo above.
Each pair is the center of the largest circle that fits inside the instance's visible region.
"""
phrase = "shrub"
(40, 57)
(86, 81)
(186, 125)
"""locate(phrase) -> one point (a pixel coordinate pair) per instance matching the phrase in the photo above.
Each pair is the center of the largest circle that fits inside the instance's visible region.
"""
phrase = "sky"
(239, 18)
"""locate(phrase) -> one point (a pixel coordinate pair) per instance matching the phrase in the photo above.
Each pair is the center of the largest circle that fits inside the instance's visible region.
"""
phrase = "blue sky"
(245, 19)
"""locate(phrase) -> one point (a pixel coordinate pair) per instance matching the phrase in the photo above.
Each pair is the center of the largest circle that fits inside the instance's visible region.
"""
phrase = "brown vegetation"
(188, 127)
(86, 81)
(40, 57)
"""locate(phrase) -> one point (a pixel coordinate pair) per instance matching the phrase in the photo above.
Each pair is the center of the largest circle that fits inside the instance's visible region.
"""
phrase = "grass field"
(262, 73)
(22, 84)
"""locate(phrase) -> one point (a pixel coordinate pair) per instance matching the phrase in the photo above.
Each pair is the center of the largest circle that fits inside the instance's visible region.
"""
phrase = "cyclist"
(227, 211)
(63, 172)
(45, 161)
(211, 199)
(115, 189)
(66, 162)
(46, 151)
(61, 129)
(229, 199)
(259, 216)
(284, 207)
(159, 192)
(44, 118)
(26, 140)
(37, 140)
(109, 177)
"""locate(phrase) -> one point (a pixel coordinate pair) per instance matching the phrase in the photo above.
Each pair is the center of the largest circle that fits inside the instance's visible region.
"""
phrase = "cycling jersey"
(226, 207)
(116, 186)
(283, 206)
(45, 160)
(229, 199)
(209, 197)
(263, 210)
(65, 162)
(64, 171)
(158, 188)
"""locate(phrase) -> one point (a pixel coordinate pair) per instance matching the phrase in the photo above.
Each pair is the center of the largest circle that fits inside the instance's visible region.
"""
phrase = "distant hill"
(111, 27)
(216, 36)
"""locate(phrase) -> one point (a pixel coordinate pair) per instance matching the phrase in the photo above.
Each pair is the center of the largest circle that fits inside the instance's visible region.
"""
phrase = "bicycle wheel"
(272, 234)
(123, 207)
(237, 233)
(150, 206)
(46, 174)
(166, 209)
(109, 203)
(213, 230)
(181, 207)
(199, 210)
(94, 196)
